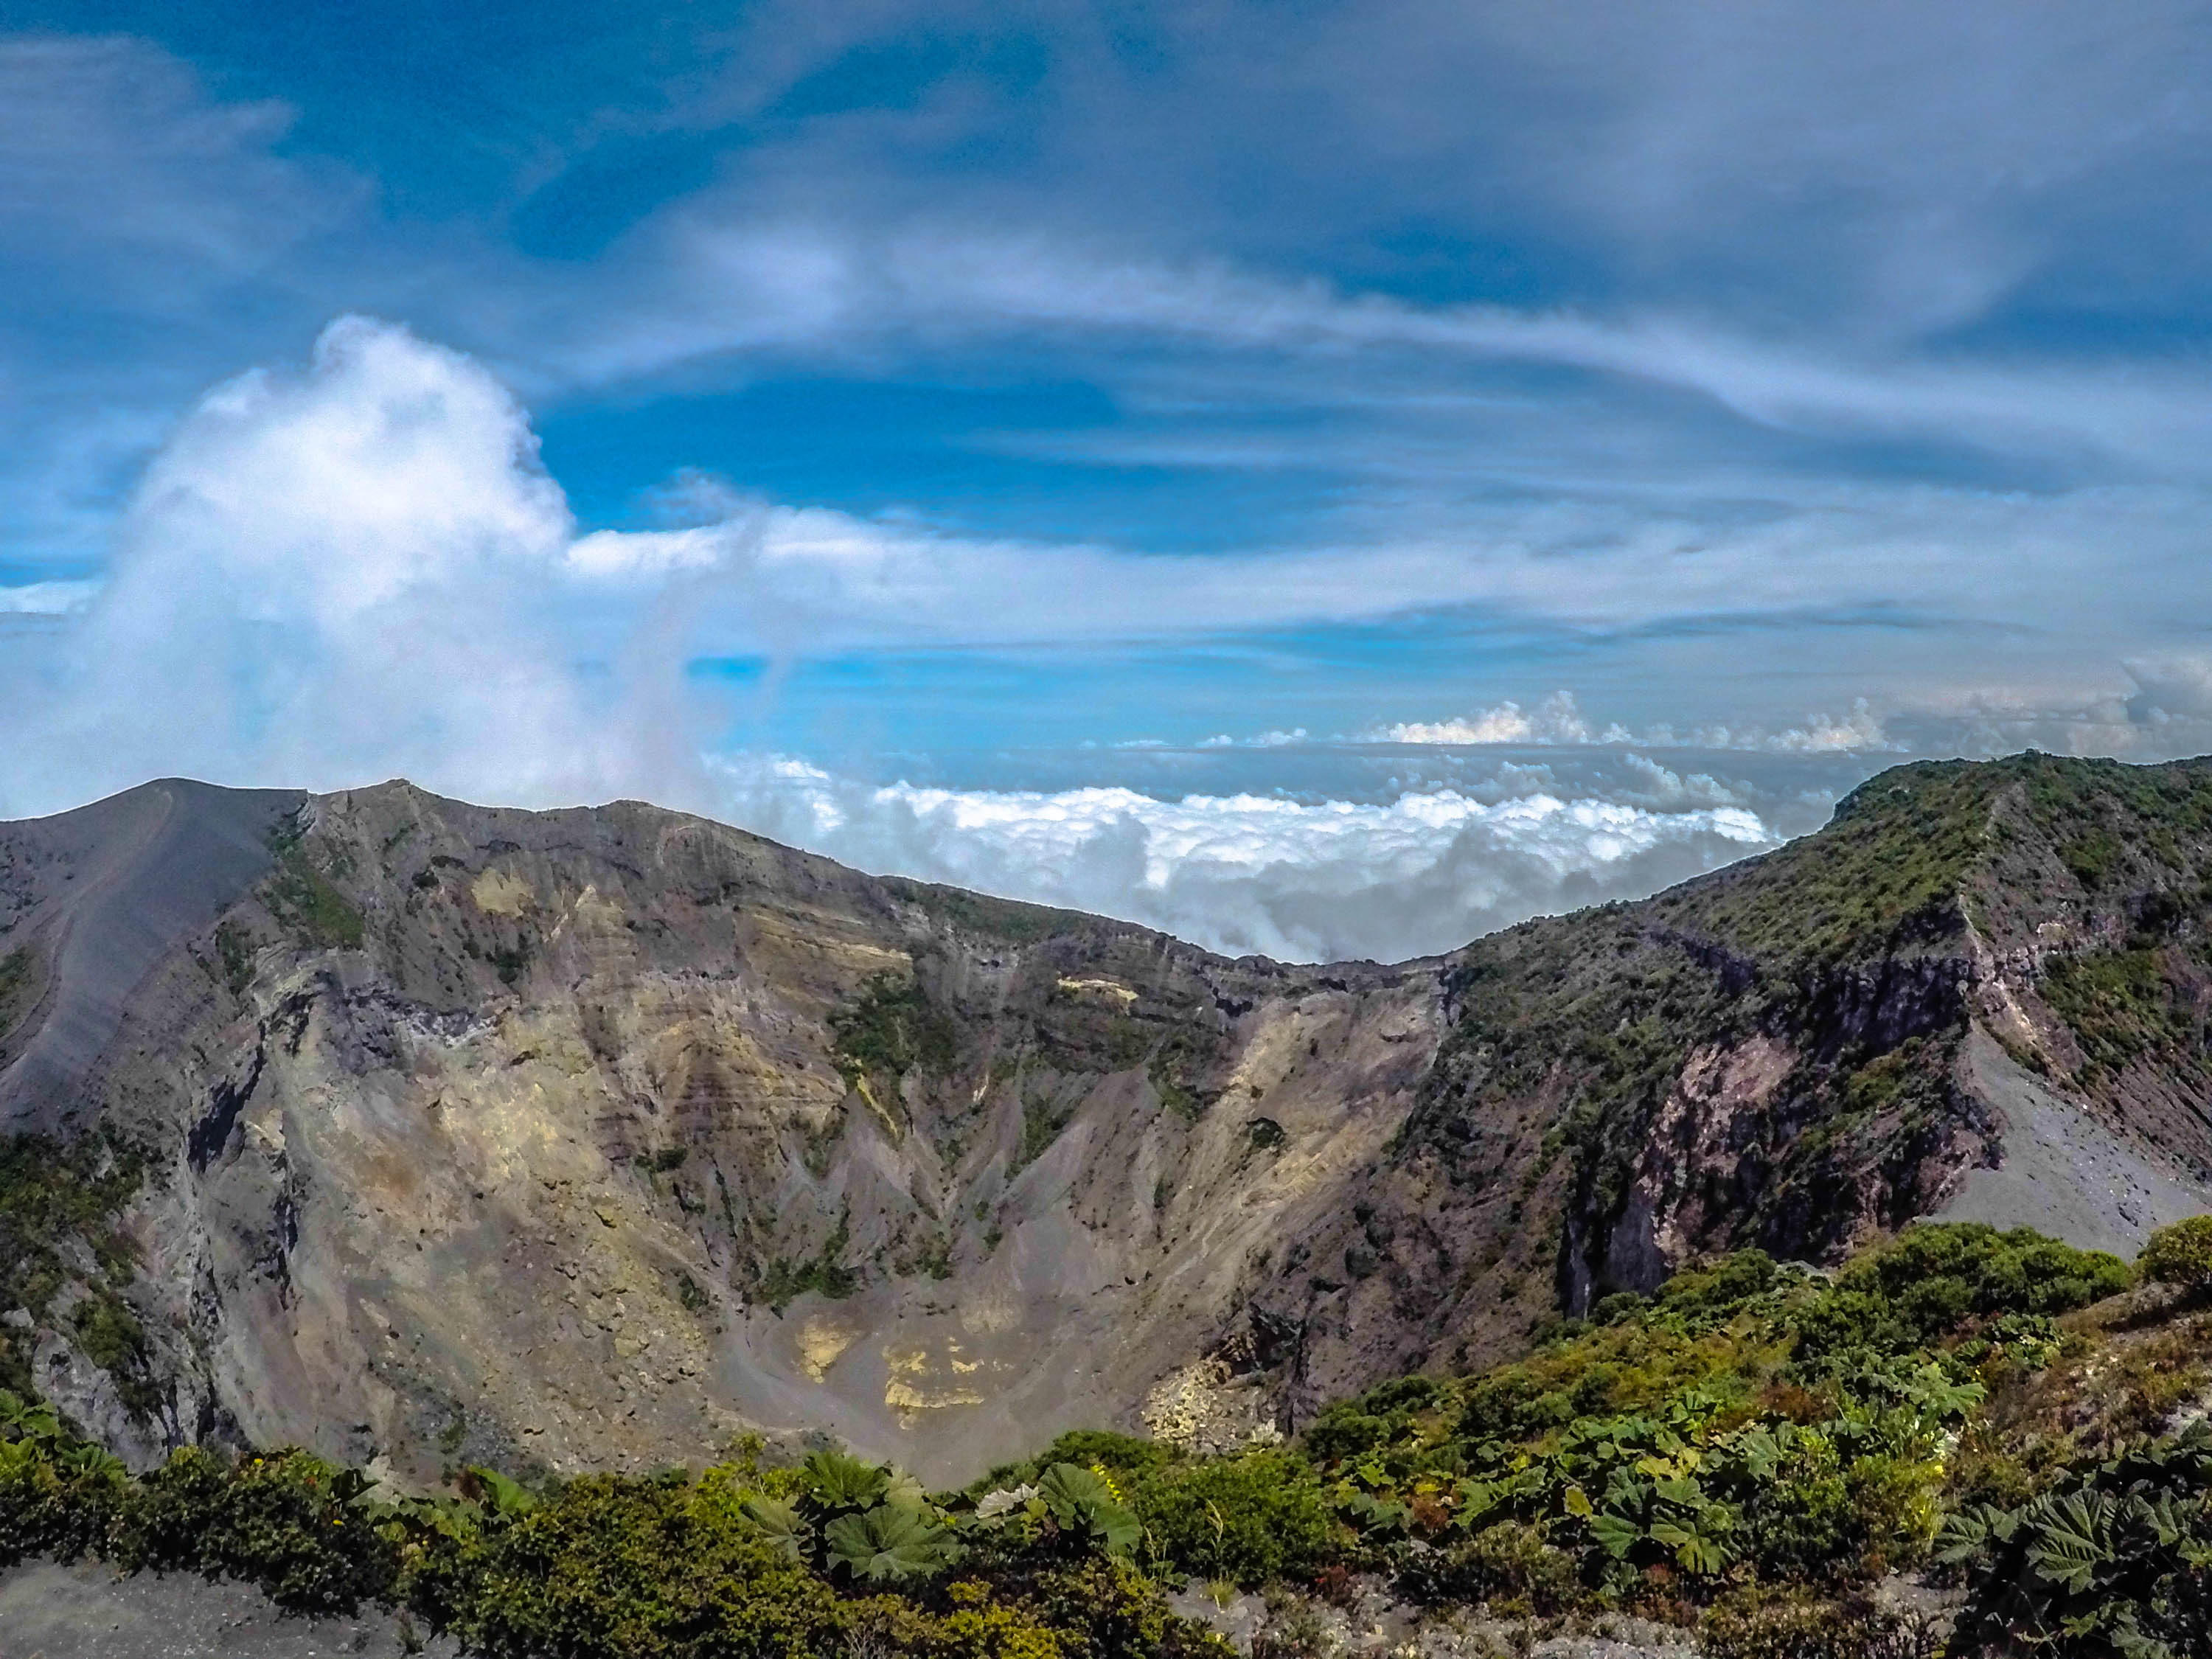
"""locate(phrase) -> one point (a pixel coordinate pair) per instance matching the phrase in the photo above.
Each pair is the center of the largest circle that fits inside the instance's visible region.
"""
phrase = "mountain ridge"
(398, 999)
(588, 1138)
(1818, 1036)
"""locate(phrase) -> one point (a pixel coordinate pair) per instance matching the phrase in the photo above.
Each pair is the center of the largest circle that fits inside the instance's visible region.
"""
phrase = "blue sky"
(765, 408)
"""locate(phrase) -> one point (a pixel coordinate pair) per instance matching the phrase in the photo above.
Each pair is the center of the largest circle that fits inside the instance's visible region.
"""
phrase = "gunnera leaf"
(499, 1493)
(889, 1542)
(778, 1521)
(1616, 1533)
(1003, 1502)
(1082, 1502)
(842, 1481)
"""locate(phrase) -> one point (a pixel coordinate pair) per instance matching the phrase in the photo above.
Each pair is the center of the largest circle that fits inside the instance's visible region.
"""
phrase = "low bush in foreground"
(1748, 1450)
(2181, 1255)
(741, 1564)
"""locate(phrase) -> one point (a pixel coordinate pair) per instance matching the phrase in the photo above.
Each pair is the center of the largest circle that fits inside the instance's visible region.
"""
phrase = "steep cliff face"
(1980, 993)
(593, 1137)
(590, 1137)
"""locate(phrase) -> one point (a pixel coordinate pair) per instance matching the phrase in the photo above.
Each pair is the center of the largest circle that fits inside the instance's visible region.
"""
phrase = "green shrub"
(1116, 1612)
(45, 1510)
(739, 1565)
(1515, 1402)
(288, 1523)
(1804, 1526)
(1250, 1518)
(891, 1028)
(1125, 1455)
(1936, 1276)
(300, 894)
(2116, 1559)
(2180, 1255)
(1612, 1309)
(977, 1627)
(56, 1198)
(1684, 1437)
(1511, 1567)
(1350, 1427)
(1345, 1430)
(1719, 1287)
(1618, 1368)
(1751, 1628)
(613, 1569)
(1893, 1511)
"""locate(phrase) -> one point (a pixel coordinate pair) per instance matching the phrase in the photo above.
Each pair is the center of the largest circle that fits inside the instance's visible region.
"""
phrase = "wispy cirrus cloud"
(723, 287)
(149, 234)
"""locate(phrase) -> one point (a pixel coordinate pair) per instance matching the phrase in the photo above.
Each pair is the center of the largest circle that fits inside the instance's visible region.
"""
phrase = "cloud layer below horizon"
(1298, 881)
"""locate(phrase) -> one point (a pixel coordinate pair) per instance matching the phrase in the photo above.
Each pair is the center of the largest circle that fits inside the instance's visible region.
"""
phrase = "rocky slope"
(595, 1137)
(590, 1137)
(1980, 993)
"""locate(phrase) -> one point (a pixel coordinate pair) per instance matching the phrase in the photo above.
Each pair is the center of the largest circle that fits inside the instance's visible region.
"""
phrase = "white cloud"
(1277, 739)
(333, 575)
(359, 569)
(56, 598)
(2170, 687)
(1825, 733)
(1292, 879)
(390, 466)
(647, 554)
(1558, 719)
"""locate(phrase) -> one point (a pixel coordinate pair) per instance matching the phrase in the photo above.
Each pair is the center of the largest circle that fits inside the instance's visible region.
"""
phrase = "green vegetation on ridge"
(889, 1030)
(1885, 873)
(302, 897)
(1818, 998)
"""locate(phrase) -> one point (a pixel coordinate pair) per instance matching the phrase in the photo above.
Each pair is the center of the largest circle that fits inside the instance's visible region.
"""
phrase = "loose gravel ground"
(83, 1611)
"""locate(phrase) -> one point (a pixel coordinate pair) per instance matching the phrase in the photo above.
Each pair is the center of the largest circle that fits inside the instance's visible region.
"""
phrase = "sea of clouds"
(1298, 880)
(360, 570)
